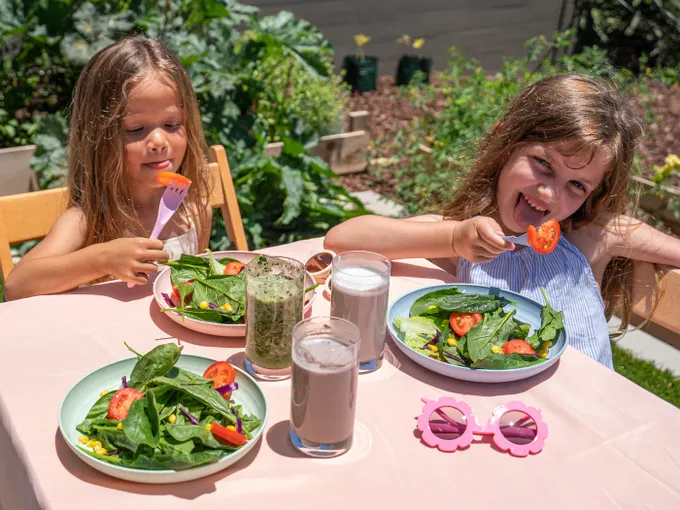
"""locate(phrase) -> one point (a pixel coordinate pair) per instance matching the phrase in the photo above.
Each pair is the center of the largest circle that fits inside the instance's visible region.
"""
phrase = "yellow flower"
(418, 43)
(673, 161)
(361, 39)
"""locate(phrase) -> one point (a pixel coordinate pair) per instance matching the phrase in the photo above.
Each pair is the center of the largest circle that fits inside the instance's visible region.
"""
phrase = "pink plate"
(162, 284)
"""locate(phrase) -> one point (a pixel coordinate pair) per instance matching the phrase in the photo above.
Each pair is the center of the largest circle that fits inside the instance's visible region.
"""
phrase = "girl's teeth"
(539, 209)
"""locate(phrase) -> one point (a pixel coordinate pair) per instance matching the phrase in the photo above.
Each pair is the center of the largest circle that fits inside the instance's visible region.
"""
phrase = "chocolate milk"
(360, 295)
(324, 389)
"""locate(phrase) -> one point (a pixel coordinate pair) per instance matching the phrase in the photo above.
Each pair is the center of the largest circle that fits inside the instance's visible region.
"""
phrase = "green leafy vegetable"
(507, 361)
(452, 300)
(157, 362)
(494, 329)
(552, 322)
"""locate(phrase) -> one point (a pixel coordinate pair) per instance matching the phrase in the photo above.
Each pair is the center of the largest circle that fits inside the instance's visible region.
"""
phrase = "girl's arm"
(476, 239)
(60, 262)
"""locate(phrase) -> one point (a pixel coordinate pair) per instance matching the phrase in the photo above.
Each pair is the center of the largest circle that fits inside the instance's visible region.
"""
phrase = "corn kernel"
(203, 305)
(433, 348)
(97, 444)
(120, 426)
(83, 439)
(432, 307)
(100, 451)
(496, 349)
(90, 443)
(228, 307)
(231, 427)
(452, 342)
(103, 392)
(208, 426)
(172, 418)
(543, 354)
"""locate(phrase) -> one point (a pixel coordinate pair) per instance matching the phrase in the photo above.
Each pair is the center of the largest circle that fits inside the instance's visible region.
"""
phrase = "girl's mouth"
(527, 212)
(159, 165)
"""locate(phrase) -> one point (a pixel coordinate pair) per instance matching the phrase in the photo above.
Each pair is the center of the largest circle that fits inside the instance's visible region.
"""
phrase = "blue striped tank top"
(569, 283)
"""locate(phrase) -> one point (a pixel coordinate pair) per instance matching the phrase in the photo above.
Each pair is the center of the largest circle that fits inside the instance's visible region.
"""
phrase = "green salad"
(474, 331)
(165, 417)
(207, 289)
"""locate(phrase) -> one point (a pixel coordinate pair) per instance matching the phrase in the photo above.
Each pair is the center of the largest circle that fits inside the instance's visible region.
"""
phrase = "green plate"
(85, 393)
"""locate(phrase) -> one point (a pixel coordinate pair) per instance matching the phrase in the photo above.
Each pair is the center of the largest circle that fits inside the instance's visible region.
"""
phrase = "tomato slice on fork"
(544, 239)
(166, 178)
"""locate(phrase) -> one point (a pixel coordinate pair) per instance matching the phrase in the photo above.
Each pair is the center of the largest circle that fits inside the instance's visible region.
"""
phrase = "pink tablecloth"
(611, 444)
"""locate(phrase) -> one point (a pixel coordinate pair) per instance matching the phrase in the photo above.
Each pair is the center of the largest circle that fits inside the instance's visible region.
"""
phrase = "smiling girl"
(563, 150)
(134, 114)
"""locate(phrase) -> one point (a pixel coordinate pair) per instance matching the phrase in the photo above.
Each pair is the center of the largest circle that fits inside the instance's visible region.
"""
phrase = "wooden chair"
(662, 321)
(29, 216)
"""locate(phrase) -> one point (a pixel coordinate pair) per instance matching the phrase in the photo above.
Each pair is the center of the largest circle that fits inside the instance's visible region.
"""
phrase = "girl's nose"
(548, 194)
(157, 140)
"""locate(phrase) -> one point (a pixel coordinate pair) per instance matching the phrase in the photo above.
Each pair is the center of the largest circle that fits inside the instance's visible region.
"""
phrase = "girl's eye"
(172, 125)
(543, 162)
(134, 130)
(579, 186)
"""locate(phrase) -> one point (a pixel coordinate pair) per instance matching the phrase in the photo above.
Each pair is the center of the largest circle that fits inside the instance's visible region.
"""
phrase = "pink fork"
(170, 201)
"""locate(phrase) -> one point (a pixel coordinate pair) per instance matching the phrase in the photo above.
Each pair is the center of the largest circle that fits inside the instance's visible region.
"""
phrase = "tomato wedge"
(462, 322)
(121, 402)
(222, 373)
(517, 347)
(166, 178)
(234, 268)
(544, 239)
(230, 436)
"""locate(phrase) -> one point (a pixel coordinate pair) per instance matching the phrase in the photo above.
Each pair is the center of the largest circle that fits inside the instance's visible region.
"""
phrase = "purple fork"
(170, 201)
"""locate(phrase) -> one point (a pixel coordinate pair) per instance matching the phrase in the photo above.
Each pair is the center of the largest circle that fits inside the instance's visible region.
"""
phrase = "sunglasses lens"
(447, 423)
(319, 262)
(517, 427)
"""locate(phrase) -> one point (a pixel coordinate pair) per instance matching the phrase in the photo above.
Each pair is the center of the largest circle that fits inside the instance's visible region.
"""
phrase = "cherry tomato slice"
(234, 268)
(517, 347)
(230, 436)
(166, 178)
(221, 372)
(121, 402)
(462, 322)
(544, 239)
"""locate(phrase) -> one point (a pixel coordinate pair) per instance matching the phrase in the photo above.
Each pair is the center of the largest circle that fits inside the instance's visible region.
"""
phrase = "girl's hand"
(130, 259)
(479, 239)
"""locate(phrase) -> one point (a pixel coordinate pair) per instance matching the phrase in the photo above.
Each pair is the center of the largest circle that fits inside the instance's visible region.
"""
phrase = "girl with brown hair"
(563, 150)
(134, 114)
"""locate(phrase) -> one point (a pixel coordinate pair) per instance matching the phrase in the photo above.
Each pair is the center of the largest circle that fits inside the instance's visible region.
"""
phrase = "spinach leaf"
(521, 330)
(249, 421)
(114, 439)
(141, 424)
(198, 433)
(208, 396)
(170, 446)
(507, 361)
(97, 415)
(453, 300)
(216, 267)
(155, 363)
(176, 461)
(111, 459)
(189, 261)
(552, 322)
(495, 329)
(225, 289)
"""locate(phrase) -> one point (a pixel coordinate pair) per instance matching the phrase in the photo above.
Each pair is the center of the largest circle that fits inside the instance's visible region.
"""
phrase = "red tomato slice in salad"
(462, 322)
(222, 373)
(234, 268)
(544, 239)
(121, 402)
(230, 436)
(517, 347)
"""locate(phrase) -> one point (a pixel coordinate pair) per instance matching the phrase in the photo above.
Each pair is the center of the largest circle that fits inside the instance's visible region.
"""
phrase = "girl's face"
(155, 138)
(538, 183)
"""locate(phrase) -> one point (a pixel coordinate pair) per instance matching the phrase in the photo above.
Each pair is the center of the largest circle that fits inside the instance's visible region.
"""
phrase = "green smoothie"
(274, 304)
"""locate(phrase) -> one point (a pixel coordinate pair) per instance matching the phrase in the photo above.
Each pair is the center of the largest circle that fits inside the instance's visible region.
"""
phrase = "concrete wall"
(487, 30)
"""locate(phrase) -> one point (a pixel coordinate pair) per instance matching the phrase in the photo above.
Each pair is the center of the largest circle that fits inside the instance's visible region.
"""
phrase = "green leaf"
(507, 361)
(452, 300)
(293, 187)
(141, 424)
(198, 433)
(155, 363)
(97, 414)
(495, 329)
(552, 322)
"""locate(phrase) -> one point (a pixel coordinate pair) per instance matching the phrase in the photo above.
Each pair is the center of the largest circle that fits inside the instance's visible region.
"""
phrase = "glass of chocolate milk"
(324, 386)
(360, 292)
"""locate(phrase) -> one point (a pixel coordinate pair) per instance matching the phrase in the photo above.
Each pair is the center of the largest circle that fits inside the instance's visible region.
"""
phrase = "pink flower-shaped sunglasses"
(514, 427)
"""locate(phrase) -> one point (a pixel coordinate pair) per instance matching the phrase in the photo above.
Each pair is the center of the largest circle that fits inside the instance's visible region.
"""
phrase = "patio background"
(486, 30)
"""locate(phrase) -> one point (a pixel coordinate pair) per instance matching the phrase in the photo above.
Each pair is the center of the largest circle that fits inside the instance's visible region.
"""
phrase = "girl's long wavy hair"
(588, 114)
(96, 144)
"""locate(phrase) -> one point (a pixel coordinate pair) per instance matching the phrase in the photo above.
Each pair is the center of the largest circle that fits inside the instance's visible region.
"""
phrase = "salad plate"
(419, 323)
(163, 289)
(79, 401)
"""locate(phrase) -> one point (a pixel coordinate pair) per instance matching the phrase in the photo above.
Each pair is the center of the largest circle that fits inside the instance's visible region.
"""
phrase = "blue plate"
(528, 311)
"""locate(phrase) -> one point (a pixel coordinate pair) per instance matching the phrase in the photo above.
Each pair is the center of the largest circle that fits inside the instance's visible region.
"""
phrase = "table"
(611, 444)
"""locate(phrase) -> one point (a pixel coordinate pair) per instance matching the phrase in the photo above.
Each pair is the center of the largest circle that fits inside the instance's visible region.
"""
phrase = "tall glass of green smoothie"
(274, 302)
